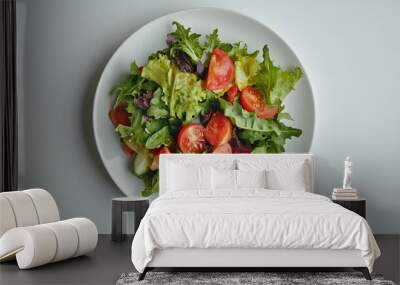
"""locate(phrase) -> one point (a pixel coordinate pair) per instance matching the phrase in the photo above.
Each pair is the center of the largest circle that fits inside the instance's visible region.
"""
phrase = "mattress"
(250, 219)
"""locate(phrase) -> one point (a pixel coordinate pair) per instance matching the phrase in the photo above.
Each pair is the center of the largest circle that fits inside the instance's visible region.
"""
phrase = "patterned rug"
(244, 278)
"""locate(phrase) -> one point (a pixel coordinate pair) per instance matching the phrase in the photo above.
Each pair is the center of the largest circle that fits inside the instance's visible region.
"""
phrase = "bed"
(243, 211)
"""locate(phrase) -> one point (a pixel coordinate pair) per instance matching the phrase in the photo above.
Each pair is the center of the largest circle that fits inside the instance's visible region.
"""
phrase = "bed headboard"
(212, 159)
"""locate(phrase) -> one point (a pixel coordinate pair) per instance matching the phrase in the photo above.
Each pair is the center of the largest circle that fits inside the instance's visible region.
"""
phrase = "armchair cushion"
(40, 244)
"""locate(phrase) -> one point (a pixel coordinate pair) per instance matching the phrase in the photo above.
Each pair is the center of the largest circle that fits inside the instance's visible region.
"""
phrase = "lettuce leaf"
(187, 42)
(285, 82)
(158, 109)
(157, 70)
(151, 183)
(186, 96)
(246, 67)
(159, 138)
(246, 120)
(212, 42)
(274, 82)
(265, 135)
(135, 135)
(182, 91)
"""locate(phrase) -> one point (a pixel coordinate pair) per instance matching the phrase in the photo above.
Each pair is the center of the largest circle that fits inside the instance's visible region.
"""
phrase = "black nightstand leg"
(116, 229)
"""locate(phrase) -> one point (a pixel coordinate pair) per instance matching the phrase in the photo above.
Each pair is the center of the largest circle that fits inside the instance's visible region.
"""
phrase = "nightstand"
(358, 206)
(126, 204)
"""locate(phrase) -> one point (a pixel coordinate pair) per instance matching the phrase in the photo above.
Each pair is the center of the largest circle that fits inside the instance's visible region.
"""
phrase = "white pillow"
(251, 178)
(282, 174)
(181, 177)
(224, 179)
(293, 179)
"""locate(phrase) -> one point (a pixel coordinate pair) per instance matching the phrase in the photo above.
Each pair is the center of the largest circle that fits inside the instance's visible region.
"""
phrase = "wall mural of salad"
(201, 96)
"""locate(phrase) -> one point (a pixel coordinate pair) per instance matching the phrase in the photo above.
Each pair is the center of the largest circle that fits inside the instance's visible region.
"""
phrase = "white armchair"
(31, 230)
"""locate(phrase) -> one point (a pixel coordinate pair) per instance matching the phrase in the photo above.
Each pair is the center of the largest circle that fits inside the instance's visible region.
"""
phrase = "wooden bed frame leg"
(364, 271)
(143, 274)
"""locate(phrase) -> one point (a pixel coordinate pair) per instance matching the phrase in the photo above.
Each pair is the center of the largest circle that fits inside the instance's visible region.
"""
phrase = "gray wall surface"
(350, 50)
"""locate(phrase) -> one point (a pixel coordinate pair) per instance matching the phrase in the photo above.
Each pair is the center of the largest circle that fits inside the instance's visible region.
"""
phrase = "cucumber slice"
(142, 163)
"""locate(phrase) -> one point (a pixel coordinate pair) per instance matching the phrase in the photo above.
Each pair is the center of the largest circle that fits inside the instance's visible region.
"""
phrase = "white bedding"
(252, 218)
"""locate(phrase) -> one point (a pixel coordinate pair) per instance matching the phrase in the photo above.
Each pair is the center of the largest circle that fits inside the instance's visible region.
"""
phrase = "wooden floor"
(110, 260)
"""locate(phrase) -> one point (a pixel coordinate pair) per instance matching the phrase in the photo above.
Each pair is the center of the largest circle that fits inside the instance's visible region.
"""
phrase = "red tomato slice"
(156, 160)
(231, 94)
(128, 151)
(191, 138)
(219, 129)
(119, 116)
(251, 99)
(220, 70)
(268, 112)
(225, 148)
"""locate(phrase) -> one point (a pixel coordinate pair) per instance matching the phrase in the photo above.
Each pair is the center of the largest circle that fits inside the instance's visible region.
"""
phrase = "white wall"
(350, 50)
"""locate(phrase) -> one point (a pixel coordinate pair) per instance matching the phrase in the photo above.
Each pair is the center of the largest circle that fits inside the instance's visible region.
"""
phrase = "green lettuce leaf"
(154, 125)
(246, 120)
(274, 82)
(212, 42)
(158, 109)
(253, 136)
(151, 183)
(285, 82)
(127, 89)
(135, 135)
(187, 42)
(186, 95)
(246, 67)
(239, 50)
(182, 91)
(157, 70)
(159, 138)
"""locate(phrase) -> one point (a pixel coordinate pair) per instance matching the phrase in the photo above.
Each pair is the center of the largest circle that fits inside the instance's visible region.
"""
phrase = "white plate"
(232, 27)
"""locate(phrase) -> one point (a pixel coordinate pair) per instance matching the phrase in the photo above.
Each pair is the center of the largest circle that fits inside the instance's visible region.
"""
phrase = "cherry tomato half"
(231, 94)
(119, 116)
(220, 70)
(219, 129)
(253, 101)
(191, 138)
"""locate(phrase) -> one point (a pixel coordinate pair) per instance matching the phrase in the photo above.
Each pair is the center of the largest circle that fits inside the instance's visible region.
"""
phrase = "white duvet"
(252, 218)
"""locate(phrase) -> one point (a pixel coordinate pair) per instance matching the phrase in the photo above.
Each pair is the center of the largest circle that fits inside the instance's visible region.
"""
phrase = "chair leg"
(143, 274)
(364, 271)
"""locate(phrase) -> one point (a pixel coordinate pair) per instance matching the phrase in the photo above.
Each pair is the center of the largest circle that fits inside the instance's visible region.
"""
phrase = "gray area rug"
(233, 278)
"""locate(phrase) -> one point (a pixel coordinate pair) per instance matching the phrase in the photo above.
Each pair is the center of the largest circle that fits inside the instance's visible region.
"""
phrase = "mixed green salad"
(201, 96)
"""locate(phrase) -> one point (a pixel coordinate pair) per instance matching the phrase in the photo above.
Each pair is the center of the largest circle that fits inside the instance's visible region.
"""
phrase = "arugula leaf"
(212, 41)
(187, 42)
(159, 138)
